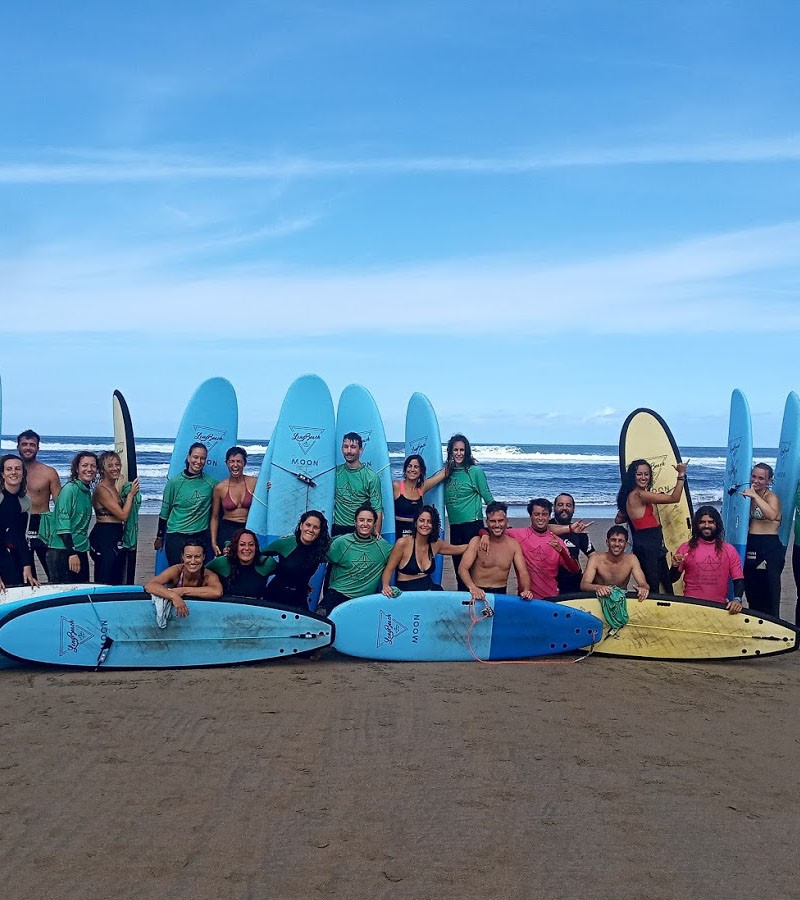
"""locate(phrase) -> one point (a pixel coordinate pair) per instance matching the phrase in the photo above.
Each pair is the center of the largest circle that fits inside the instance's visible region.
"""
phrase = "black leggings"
(105, 547)
(649, 549)
(763, 565)
(58, 566)
(463, 534)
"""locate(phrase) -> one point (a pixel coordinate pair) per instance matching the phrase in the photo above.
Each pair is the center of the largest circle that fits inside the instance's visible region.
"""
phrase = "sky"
(541, 214)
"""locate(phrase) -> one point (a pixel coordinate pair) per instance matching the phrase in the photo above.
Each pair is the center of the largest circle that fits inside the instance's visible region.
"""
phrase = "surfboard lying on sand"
(437, 625)
(212, 419)
(683, 628)
(787, 466)
(423, 437)
(122, 630)
(735, 507)
(357, 411)
(125, 446)
(645, 435)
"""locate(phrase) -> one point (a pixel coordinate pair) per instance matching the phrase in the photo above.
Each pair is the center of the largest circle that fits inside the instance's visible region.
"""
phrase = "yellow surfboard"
(684, 628)
(645, 435)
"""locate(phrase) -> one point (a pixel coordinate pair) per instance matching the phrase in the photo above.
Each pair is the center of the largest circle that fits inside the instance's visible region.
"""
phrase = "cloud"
(88, 166)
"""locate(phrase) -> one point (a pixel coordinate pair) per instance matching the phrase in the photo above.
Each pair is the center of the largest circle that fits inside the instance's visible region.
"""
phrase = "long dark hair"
(233, 551)
(436, 522)
(713, 514)
(629, 484)
(319, 549)
(469, 459)
(423, 469)
(23, 485)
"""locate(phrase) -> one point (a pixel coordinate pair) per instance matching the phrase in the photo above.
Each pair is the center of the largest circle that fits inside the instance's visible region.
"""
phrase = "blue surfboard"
(787, 466)
(423, 437)
(435, 626)
(358, 412)
(211, 418)
(122, 631)
(257, 517)
(735, 507)
(302, 465)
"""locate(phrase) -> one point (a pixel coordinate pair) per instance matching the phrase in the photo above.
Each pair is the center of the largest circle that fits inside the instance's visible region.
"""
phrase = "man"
(485, 570)
(356, 484)
(576, 540)
(615, 568)
(43, 484)
(708, 563)
(357, 561)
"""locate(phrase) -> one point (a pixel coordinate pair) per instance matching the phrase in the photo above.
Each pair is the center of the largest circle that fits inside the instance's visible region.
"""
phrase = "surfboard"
(302, 463)
(121, 631)
(257, 517)
(125, 446)
(787, 467)
(437, 626)
(357, 411)
(645, 435)
(739, 463)
(423, 437)
(683, 628)
(212, 419)
(15, 597)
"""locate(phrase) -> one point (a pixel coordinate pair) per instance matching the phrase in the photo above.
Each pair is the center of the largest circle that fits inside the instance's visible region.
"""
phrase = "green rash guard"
(463, 491)
(130, 533)
(221, 566)
(71, 515)
(354, 487)
(187, 503)
(357, 565)
(276, 552)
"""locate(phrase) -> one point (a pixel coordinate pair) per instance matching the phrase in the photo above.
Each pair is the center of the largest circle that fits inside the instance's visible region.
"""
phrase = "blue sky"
(541, 214)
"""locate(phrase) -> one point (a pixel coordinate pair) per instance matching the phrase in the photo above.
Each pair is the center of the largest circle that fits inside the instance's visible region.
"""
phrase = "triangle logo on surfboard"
(72, 636)
(389, 629)
(306, 437)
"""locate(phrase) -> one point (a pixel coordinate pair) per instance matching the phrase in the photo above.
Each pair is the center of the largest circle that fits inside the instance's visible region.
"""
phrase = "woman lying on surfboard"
(635, 502)
(189, 578)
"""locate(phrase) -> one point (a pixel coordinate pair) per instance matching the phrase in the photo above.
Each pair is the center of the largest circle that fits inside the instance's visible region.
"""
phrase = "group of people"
(209, 551)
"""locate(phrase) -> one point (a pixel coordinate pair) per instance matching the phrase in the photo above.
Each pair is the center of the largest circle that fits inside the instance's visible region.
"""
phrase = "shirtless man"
(487, 571)
(43, 484)
(614, 568)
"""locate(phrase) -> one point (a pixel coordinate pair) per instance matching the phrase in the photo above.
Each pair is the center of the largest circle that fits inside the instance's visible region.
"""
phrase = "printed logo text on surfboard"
(72, 636)
(306, 437)
(389, 629)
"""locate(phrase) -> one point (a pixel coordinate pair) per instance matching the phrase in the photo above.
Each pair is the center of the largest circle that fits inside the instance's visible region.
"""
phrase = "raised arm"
(110, 503)
(436, 478)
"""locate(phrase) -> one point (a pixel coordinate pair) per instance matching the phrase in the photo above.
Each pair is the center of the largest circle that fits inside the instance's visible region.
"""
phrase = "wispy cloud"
(96, 167)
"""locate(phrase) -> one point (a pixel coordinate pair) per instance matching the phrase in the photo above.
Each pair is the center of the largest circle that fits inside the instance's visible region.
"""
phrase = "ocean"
(515, 472)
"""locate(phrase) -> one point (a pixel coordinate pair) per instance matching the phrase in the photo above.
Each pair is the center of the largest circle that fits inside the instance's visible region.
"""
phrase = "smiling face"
(28, 448)
(644, 475)
(192, 558)
(759, 479)
(365, 522)
(309, 530)
(707, 528)
(351, 451)
(496, 523)
(196, 460)
(540, 518)
(616, 544)
(235, 465)
(87, 469)
(13, 474)
(424, 524)
(112, 467)
(246, 549)
(459, 452)
(412, 470)
(564, 509)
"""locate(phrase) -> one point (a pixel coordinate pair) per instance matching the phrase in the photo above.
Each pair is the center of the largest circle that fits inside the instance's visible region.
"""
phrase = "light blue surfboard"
(787, 467)
(358, 412)
(121, 631)
(435, 626)
(423, 437)
(211, 418)
(257, 517)
(15, 598)
(735, 507)
(303, 461)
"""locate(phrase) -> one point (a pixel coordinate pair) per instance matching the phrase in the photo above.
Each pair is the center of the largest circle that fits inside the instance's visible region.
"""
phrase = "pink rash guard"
(542, 560)
(706, 573)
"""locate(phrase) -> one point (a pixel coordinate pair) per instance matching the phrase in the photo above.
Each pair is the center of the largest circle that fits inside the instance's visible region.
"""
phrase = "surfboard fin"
(105, 647)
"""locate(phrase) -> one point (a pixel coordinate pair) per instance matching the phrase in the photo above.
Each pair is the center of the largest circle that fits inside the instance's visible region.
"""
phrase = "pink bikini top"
(229, 504)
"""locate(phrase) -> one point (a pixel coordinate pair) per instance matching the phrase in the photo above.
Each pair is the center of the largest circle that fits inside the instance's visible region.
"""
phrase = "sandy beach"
(603, 778)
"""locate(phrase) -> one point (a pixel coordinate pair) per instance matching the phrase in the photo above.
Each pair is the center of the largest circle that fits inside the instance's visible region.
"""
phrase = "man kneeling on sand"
(615, 568)
(486, 572)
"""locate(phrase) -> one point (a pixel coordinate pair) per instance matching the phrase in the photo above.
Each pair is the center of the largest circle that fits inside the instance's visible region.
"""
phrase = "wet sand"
(603, 778)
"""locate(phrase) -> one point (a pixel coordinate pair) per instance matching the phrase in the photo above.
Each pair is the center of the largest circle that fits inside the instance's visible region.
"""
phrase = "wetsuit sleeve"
(738, 587)
(167, 501)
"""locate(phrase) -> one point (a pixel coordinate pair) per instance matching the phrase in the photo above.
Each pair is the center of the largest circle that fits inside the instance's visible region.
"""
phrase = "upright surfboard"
(358, 412)
(129, 629)
(735, 507)
(302, 465)
(212, 419)
(423, 437)
(645, 435)
(787, 466)
(438, 626)
(684, 628)
(125, 446)
(257, 517)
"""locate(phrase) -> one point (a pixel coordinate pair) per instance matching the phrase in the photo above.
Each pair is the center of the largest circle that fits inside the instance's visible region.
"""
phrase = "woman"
(189, 578)
(413, 557)
(464, 489)
(233, 497)
(16, 558)
(764, 559)
(186, 507)
(68, 541)
(635, 502)
(408, 493)
(294, 559)
(111, 514)
(240, 572)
